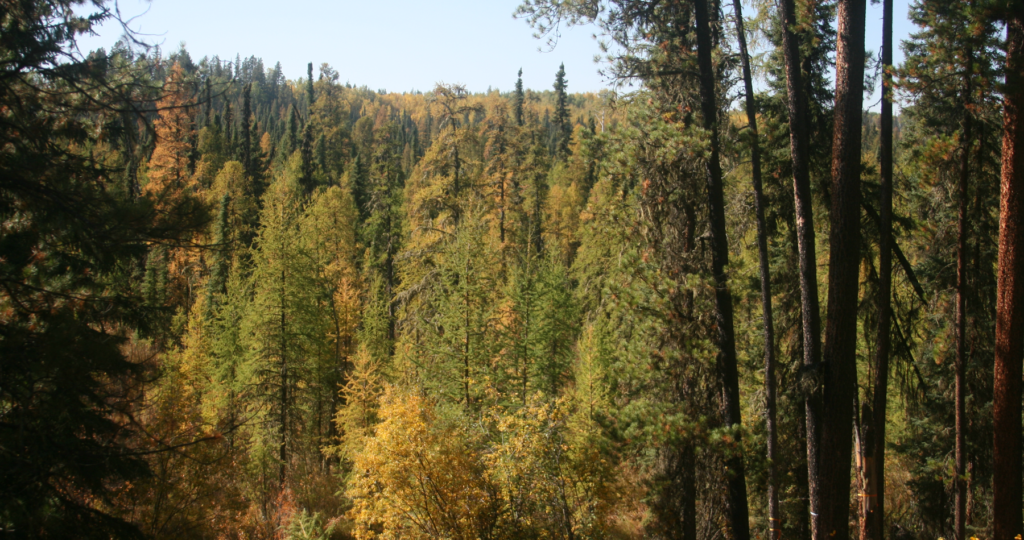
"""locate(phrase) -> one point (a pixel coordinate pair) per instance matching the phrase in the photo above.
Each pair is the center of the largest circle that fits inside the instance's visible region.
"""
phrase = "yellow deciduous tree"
(421, 475)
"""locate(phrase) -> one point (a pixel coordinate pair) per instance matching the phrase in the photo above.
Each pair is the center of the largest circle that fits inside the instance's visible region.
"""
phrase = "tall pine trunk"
(1006, 484)
(736, 477)
(774, 516)
(804, 207)
(874, 494)
(839, 351)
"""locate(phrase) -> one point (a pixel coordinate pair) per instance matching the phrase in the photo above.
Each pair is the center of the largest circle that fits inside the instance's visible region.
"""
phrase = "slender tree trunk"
(1006, 484)
(864, 429)
(874, 495)
(689, 481)
(738, 514)
(960, 481)
(839, 351)
(802, 524)
(501, 212)
(810, 310)
(774, 516)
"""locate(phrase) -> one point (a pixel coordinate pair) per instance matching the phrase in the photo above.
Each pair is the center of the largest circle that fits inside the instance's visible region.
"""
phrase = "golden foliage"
(420, 476)
(430, 471)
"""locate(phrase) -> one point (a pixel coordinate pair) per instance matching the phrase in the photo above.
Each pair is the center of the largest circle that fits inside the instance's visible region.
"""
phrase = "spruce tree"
(309, 88)
(308, 178)
(519, 100)
(246, 128)
(562, 121)
(382, 205)
(292, 131)
(220, 266)
(229, 131)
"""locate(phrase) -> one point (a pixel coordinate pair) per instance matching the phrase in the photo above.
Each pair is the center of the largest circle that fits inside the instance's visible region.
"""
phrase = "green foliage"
(73, 237)
(562, 123)
(451, 314)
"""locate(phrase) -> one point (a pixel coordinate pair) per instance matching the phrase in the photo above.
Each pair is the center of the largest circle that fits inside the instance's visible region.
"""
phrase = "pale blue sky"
(396, 45)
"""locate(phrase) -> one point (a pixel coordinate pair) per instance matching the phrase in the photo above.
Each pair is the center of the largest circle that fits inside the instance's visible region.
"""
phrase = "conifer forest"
(729, 298)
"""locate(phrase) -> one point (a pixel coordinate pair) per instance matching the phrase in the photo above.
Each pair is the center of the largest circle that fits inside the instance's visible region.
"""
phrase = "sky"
(394, 45)
(397, 45)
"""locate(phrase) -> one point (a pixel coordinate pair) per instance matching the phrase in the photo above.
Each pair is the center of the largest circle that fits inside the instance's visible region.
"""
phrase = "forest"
(732, 302)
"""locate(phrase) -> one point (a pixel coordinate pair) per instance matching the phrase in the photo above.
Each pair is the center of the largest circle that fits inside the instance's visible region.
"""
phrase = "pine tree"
(840, 340)
(71, 299)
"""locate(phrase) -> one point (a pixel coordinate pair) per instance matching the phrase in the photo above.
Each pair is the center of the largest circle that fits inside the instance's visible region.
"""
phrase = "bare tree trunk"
(1006, 484)
(774, 516)
(839, 351)
(810, 310)
(736, 476)
(874, 494)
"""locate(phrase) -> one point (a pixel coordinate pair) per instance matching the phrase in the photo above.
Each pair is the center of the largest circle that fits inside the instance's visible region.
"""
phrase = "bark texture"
(809, 307)
(960, 481)
(1006, 484)
(839, 351)
(774, 515)
(735, 473)
(873, 507)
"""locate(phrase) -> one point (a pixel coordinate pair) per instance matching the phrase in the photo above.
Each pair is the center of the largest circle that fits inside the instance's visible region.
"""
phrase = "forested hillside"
(234, 305)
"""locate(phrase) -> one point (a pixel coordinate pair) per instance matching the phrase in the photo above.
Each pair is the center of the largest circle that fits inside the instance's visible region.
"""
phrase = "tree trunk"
(874, 494)
(960, 480)
(1006, 484)
(689, 493)
(802, 517)
(839, 352)
(804, 206)
(736, 477)
(774, 517)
